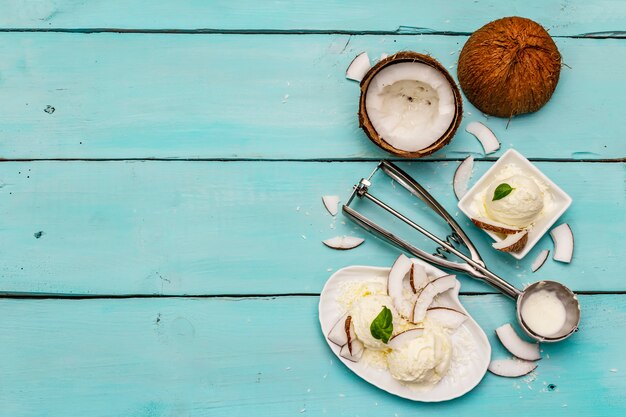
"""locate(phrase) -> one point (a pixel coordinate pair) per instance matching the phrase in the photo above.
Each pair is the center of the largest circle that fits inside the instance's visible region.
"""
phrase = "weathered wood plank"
(570, 17)
(267, 357)
(254, 227)
(273, 96)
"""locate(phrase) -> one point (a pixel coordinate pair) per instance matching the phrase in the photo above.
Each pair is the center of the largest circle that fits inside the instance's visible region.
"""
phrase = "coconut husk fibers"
(509, 66)
(366, 124)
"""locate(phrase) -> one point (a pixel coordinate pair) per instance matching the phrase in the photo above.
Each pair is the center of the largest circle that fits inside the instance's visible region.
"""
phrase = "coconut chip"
(358, 67)
(485, 136)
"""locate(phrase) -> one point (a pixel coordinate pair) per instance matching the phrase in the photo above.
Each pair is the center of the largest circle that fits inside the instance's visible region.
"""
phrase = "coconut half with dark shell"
(509, 66)
(410, 105)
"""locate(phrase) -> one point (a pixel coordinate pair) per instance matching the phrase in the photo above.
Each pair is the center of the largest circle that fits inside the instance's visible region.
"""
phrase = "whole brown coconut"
(509, 66)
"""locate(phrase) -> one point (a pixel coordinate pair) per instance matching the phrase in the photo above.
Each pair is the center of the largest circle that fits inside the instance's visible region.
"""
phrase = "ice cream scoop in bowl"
(548, 311)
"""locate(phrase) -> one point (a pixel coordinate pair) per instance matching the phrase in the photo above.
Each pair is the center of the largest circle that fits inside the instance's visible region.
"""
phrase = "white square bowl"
(560, 200)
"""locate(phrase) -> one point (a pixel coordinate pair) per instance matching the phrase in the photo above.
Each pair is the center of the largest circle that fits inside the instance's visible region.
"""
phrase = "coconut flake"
(419, 277)
(485, 136)
(343, 242)
(462, 176)
(331, 202)
(516, 345)
(539, 261)
(511, 368)
(426, 296)
(488, 224)
(512, 243)
(352, 351)
(563, 243)
(358, 67)
(395, 288)
(338, 334)
(446, 317)
(403, 337)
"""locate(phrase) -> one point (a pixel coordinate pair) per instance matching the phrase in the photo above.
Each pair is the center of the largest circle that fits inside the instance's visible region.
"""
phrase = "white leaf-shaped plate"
(467, 372)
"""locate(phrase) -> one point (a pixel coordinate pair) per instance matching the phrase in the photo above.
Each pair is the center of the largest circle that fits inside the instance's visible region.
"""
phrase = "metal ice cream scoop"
(472, 265)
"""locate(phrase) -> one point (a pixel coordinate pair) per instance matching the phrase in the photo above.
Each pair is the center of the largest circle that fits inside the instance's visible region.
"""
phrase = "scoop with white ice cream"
(520, 207)
(424, 359)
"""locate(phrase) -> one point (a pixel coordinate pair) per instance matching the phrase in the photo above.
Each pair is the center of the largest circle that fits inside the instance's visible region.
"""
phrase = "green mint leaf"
(382, 326)
(502, 191)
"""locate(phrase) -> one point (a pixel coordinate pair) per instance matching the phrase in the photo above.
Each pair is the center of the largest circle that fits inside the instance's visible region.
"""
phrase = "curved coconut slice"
(420, 278)
(410, 105)
(462, 176)
(338, 334)
(563, 243)
(430, 291)
(485, 136)
(401, 338)
(514, 344)
(540, 260)
(352, 352)
(511, 368)
(487, 224)
(330, 202)
(343, 242)
(512, 243)
(446, 317)
(395, 285)
(358, 67)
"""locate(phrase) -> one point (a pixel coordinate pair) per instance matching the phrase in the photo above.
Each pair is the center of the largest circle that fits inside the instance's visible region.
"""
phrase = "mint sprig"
(382, 326)
(502, 191)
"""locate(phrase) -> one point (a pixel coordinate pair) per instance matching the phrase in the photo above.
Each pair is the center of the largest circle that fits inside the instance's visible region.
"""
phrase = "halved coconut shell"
(366, 124)
(512, 243)
(487, 224)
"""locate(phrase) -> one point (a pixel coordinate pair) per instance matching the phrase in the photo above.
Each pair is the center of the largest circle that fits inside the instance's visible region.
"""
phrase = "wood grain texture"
(267, 357)
(570, 17)
(180, 228)
(268, 97)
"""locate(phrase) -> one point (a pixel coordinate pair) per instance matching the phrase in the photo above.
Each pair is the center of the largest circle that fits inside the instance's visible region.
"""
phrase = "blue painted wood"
(565, 17)
(273, 96)
(255, 227)
(267, 357)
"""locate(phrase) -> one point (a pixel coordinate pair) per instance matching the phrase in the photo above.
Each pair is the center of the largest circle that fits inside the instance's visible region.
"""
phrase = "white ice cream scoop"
(520, 206)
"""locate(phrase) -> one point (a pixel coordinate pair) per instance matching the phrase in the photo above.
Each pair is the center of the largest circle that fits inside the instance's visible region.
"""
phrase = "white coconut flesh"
(511, 368)
(516, 345)
(410, 105)
(540, 260)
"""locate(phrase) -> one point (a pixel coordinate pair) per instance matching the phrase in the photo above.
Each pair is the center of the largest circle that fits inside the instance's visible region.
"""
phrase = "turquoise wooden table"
(162, 167)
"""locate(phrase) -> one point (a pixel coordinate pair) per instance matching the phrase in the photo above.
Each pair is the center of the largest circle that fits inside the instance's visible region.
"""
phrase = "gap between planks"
(34, 296)
(401, 31)
(329, 160)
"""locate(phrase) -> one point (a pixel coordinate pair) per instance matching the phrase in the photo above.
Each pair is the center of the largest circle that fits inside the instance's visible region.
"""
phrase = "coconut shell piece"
(509, 66)
(366, 124)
